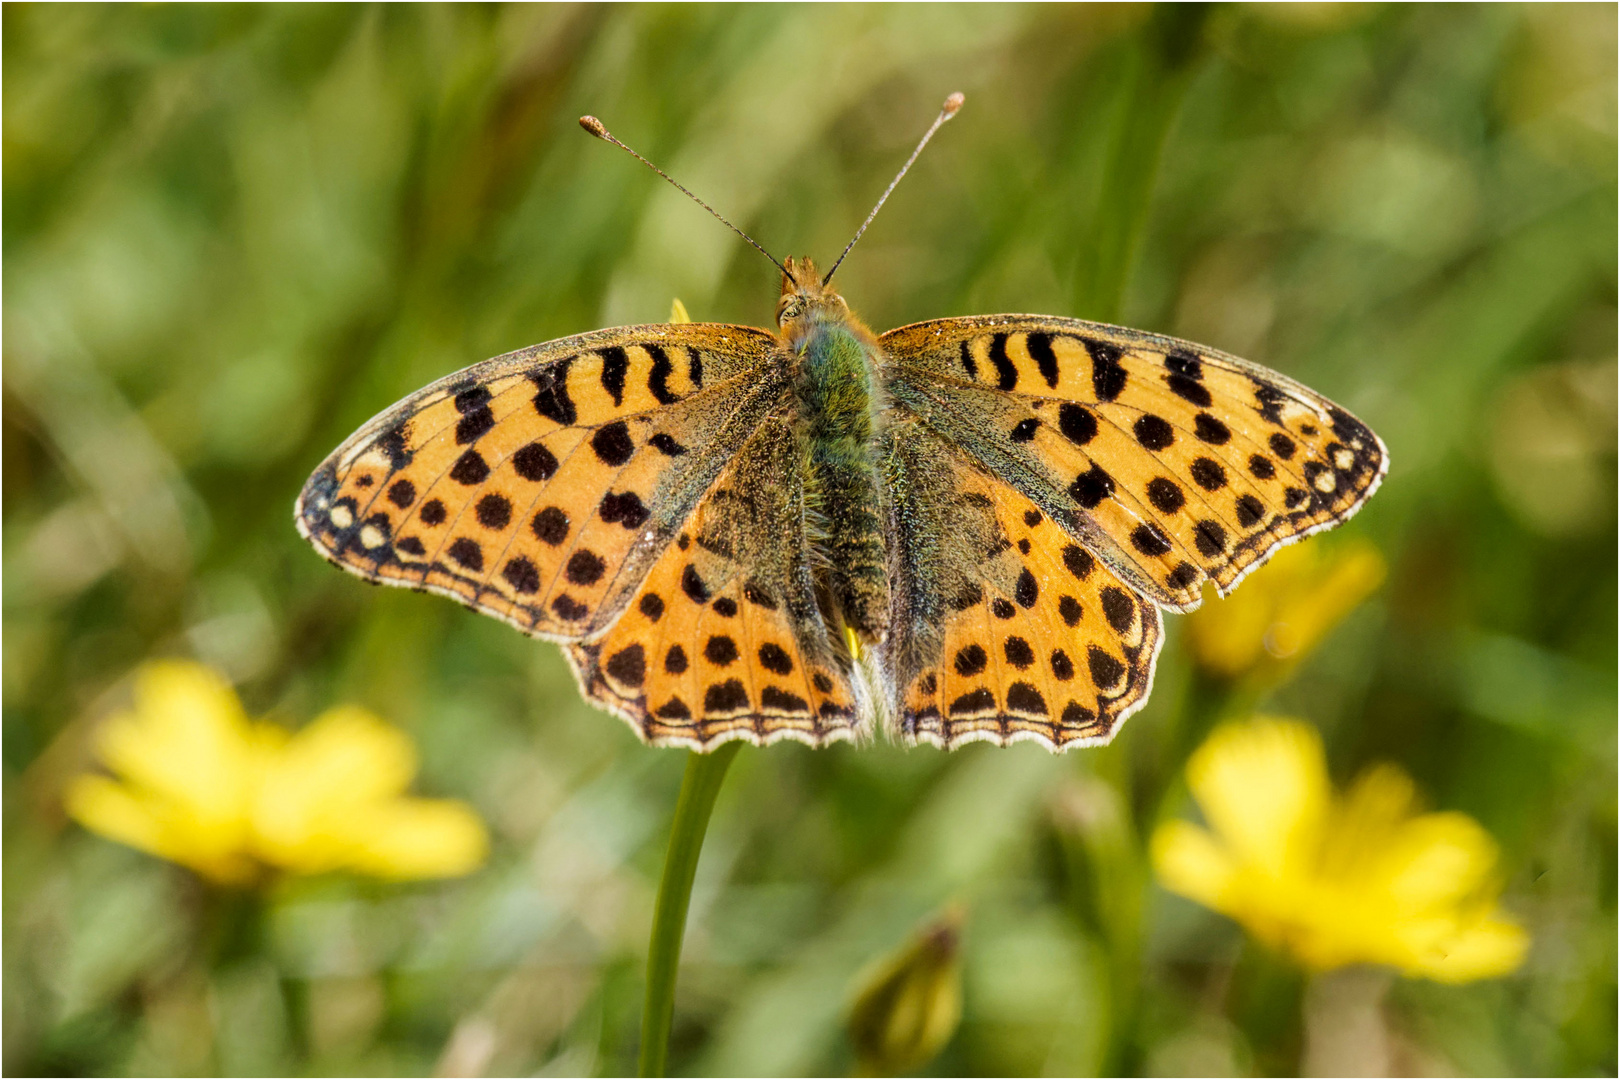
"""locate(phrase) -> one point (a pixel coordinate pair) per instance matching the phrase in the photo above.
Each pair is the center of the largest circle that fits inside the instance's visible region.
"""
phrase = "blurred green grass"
(233, 233)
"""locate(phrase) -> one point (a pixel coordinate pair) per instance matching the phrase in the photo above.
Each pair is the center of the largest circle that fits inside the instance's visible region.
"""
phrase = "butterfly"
(963, 529)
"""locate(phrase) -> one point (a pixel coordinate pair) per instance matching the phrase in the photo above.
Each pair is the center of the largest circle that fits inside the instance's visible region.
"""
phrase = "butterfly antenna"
(595, 127)
(952, 103)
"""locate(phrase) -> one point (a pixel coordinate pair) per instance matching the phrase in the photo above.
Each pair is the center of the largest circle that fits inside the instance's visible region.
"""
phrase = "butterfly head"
(805, 299)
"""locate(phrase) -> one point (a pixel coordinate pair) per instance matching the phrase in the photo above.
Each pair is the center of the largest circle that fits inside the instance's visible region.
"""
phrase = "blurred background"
(233, 233)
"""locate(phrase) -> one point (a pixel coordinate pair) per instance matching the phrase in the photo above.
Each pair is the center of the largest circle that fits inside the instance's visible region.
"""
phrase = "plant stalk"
(704, 775)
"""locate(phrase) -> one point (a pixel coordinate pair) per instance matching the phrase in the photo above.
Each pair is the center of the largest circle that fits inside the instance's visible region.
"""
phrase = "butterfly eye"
(790, 308)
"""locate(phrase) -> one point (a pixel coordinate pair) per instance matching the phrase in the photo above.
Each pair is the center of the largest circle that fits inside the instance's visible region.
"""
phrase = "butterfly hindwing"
(1003, 627)
(539, 486)
(1174, 462)
(724, 638)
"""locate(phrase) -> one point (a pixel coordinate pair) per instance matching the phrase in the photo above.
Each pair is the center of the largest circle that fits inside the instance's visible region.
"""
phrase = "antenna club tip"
(594, 126)
(953, 103)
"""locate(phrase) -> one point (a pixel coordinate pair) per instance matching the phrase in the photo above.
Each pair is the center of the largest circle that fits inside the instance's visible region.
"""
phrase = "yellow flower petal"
(1437, 860)
(1285, 610)
(1188, 861)
(1490, 948)
(330, 800)
(201, 785)
(1362, 879)
(1264, 788)
(186, 741)
(420, 838)
(148, 824)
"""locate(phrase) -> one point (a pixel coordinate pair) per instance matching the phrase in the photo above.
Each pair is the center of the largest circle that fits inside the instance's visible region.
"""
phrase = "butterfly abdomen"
(838, 422)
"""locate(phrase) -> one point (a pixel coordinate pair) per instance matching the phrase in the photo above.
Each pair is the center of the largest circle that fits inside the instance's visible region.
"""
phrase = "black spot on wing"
(975, 701)
(658, 377)
(1107, 374)
(394, 444)
(522, 575)
(726, 697)
(1118, 608)
(1189, 390)
(1091, 487)
(774, 658)
(971, 660)
(1210, 430)
(1149, 539)
(493, 511)
(780, 700)
(614, 365)
(969, 365)
(1006, 371)
(467, 554)
(1078, 425)
(628, 666)
(1182, 576)
(1269, 400)
(534, 462)
(473, 425)
(1106, 671)
(665, 444)
(624, 507)
(469, 469)
(612, 444)
(585, 567)
(1079, 561)
(1208, 473)
(551, 398)
(550, 526)
(1040, 350)
(1153, 432)
(1024, 698)
(1165, 496)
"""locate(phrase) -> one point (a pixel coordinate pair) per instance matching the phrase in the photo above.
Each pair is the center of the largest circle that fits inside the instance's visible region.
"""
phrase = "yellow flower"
(677, 312)
(1285, 610)
(1336, 880)
(202, 785)
(910, 1002)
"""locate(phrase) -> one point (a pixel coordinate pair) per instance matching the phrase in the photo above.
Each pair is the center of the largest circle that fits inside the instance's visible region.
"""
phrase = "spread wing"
(724, 639)
(1169, 461)
(1003, 627)
(632, 491)
(540, 486)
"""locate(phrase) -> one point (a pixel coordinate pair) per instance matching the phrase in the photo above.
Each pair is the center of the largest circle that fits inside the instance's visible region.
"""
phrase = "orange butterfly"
(961, 529)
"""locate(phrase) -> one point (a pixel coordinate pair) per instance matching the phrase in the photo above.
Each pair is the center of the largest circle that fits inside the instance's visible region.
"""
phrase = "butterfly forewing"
(1173, 462)
(539, 486)
(724, 638)
(1004, 628)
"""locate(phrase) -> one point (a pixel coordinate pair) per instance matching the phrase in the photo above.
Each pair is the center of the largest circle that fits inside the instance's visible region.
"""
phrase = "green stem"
(704, 775)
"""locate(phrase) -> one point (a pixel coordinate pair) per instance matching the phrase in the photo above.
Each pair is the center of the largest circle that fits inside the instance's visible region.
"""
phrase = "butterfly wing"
(1003, 627)
(1170, 461)
(540, 486)
(592, 490)
(724, 638)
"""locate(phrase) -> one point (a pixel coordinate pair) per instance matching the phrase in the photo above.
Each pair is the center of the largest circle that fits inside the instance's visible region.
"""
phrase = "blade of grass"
(1159, 70)
(704, 775)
